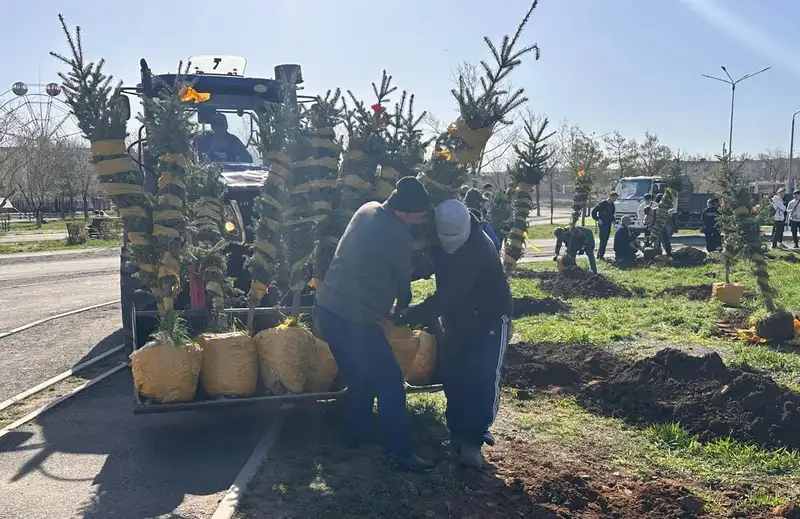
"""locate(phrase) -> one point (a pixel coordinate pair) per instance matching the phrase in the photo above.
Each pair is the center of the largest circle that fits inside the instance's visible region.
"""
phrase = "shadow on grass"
(312, 475)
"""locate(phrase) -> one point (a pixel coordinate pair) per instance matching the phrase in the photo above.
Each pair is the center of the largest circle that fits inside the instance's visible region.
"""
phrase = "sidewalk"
(58, 255)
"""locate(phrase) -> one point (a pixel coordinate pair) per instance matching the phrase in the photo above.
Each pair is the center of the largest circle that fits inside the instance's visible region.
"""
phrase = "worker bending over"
(370, 269)
(474, 300)
(579, 241)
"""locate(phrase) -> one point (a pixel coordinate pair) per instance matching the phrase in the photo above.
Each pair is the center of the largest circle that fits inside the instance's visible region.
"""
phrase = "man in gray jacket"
(370, 269)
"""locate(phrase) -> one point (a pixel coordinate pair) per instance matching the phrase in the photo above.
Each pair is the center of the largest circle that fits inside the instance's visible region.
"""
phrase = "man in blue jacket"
(473, 299)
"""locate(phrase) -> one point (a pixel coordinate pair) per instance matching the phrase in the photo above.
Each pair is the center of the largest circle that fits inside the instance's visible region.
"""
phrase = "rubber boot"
(471, 456)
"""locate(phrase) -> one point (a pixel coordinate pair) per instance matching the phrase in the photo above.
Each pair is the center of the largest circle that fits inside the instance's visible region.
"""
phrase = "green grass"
(563, 430)
(51, 225)
(54, 245)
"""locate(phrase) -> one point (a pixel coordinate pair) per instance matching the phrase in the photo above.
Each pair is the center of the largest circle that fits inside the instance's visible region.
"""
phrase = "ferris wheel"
(35, 111)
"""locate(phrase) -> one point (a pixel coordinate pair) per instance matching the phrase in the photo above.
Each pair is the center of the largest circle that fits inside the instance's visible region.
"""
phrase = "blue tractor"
(230, 93)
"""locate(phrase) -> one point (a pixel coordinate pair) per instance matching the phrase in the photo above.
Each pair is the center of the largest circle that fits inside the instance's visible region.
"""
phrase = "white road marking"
(30, 416)
(57, 316)
(58, 378)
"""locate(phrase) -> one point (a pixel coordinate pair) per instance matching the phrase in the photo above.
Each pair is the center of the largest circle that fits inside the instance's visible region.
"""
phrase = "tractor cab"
(219, 94)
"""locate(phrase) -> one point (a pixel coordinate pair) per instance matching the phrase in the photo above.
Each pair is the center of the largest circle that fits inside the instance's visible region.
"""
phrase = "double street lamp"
(733, 84)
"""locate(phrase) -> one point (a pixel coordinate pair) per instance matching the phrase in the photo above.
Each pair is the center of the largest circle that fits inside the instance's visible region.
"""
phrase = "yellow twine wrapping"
(271, 201)
(425, 179)
(168, 214)
(356, 155)
(278, 171)
(165, 232)
(326, 143)
(215, 288)
(258, 290)
(324, 132)
(106, 168)
(300, 221)
(314, 185)
(139, 238)
(389, 173)
(279, 156)
(476, 140)
(148, 267)
(324, 162)
(265, 247)
(169, 267)
(170, 200)
(174, 158)
(133, 212)
(116, 189)
(167, 179)
(272, 225)
(355, 181)
(109, 147)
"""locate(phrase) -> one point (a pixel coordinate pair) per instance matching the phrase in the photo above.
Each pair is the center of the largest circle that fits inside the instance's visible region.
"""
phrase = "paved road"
(92, 458)
(35, 290)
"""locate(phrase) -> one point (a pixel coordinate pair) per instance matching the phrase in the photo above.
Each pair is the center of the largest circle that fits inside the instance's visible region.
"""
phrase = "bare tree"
(10, 159)
(47, 161)
(773, 165)
(579, 151)
(622, 153)
(653, 156)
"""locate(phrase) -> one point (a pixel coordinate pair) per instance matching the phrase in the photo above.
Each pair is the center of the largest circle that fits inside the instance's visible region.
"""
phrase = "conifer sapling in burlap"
(528, 170)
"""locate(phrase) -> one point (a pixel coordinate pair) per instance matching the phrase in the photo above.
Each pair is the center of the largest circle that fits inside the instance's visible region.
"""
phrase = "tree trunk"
(85, 206)
(538, 203)
(552, 202)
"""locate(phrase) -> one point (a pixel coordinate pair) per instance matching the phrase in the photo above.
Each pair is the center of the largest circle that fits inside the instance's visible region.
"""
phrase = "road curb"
(229, 504)
(12, 259)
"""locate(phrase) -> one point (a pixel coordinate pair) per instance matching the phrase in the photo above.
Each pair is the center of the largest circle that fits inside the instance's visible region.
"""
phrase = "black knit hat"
(474, 199)
(409, 196)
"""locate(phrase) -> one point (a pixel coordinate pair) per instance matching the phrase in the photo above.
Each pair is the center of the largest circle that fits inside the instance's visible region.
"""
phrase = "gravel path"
(34, 355)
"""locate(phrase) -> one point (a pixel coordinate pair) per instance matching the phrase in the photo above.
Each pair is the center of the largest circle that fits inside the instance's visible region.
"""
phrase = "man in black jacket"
(474, 300)
(603, 214)
(710, 216)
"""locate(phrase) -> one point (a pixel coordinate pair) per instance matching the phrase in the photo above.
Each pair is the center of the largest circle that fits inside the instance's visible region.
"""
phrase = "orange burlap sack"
(730, 294)
(230, 364)
(166, 372)
(405, 345)
(424, 364)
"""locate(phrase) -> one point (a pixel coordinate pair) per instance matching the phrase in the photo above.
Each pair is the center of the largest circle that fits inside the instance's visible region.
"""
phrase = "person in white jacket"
(793, 216)
(778, 219)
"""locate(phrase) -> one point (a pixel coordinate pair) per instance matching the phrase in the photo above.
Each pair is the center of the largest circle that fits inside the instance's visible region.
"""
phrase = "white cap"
(453, 222)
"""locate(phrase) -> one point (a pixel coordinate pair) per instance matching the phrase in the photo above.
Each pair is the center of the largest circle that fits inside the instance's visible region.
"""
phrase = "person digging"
(370, 269)
(473, 299)
(579, 241)
(625, 247)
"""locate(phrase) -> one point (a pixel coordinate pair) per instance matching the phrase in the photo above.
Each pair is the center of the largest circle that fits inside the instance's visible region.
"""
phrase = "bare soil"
(693, 292)
(576, 282)
(525, 306)
(688, 257)
(701, 393)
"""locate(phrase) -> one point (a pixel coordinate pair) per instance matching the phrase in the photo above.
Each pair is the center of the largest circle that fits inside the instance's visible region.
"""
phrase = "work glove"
(403, 302)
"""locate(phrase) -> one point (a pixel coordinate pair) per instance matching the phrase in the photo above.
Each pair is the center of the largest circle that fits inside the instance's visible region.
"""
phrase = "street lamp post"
(791, 151)
(733, 84)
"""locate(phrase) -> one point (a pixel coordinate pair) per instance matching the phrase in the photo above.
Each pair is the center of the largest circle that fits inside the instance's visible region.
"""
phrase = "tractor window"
(634, 189)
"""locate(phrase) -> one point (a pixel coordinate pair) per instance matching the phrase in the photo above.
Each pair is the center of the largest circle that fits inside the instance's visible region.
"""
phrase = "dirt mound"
(688, 257)
(788, 257)
(521, 273)
(549, 364)
(669, 501)
(693, 292)
(531, 306)
(569, 491)
(703, 395)
(576, 282)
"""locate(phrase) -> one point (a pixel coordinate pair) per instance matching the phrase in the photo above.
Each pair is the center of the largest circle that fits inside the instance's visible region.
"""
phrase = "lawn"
(50, 225)
(54, 245)
(559, 452)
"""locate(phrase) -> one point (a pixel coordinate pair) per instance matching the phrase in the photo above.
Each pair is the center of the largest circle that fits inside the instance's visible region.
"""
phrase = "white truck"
(685, 214)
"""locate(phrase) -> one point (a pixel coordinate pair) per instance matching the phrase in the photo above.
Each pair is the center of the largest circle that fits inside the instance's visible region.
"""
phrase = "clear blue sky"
(629, 65)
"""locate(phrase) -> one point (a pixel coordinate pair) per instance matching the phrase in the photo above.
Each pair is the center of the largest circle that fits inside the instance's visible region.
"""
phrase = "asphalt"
(34, 355)
(31, 291)
(91, 457)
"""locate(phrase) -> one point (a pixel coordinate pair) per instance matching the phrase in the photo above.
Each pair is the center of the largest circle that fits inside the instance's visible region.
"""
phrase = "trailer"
(230, 92)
